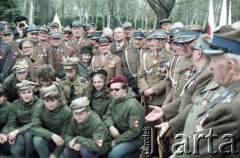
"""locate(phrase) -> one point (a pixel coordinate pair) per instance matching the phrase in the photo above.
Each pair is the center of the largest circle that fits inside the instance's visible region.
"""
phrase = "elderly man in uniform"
(131, 60)
(53, 26)
(67, 35)
(87, 136)
(125, 120)
(6, 58)
(119, 43)
(165, 24)
(94, 37)
(32, 33)
(56, 53)
(43, 35)
(20, 73)
(74, 86)
(128, 32)
(78, 39)
(106, 59)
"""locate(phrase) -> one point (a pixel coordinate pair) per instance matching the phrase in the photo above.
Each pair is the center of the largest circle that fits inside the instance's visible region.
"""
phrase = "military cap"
(52, 24)
(20, 66)
(7, 32)
(76, 23)
(127, 25)
(104, 39)
(117, 79)
(88, 26)
(67, 29)
(149, 35)
(96, 35)
(139, 35)
(70, 63)
(56, 35)
(86, 49)
(203, 42)
(47, 91)
(188, 33)
(160, 34)
(100, 71)
(25, 84)
(164, 21)
(20, 18)
(32, 29)
(79, 104)
(42, 28)
(225, 40)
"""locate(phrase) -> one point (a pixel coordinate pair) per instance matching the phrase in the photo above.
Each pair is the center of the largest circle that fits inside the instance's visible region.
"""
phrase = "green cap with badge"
(79, 104)
(25, 84)
(70, 63)
(47, 91)
(20, 66)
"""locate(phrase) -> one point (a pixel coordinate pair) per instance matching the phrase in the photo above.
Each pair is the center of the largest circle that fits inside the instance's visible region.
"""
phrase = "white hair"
(108, 32)
(234, 57)
(177, 25)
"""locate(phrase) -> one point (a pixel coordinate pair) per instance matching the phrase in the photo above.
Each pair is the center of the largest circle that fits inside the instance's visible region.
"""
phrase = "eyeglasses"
(114, 89)
(27, 47)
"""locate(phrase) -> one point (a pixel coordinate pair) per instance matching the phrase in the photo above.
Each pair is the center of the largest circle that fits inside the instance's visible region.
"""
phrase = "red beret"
(118, 78)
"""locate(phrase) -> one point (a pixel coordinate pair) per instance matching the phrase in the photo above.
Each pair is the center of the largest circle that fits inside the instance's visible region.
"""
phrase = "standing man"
(128, 32)
(119, 44)
(21, 25)
(67, 35)
(106, 59)
(53, 26)
(85, 61)
(165, 24)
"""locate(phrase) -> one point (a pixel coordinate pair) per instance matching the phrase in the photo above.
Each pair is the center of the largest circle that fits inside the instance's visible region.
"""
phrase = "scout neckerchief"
(126, 58)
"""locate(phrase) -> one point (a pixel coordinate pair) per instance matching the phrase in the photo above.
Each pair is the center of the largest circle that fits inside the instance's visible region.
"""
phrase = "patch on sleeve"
(135, 123)
(99, 142)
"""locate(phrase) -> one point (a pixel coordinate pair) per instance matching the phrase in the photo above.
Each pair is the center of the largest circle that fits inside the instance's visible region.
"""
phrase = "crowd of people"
(76, 92)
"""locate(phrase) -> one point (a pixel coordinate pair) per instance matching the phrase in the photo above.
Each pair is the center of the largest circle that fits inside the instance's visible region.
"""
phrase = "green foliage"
(9, 10)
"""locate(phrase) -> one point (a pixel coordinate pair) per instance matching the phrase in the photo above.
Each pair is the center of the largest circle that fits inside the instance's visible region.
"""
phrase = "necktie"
(71, 92)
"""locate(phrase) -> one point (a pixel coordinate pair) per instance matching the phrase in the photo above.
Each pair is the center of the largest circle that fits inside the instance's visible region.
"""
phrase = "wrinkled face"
(150, 43)
(53, 29)
(34, 36)
(67, 36)
(21, 75)
(43, 36)
(86, 57)
(90, 30)
(27, 48)
(166, 26)
(26, 94)
(98, 82)
(50, 104)
(119, 34)
(81, 117)
(71, 74)
(56, 41)
(159, 43)
(77, 31)
(185, 49)
(104, 47)
(117, 91)
(2, 97)
(220, 69)
(8, 38)
(139, 43)
(44, 83)
(174, 48)
(128, 32)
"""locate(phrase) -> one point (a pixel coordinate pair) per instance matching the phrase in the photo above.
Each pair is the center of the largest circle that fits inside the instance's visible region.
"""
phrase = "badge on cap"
(135, 123)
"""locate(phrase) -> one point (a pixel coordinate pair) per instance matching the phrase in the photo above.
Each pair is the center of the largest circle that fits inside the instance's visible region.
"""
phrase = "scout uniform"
(220, 120)
(84, 68)
(111, 63)
(47, 122)
(11, 81)
(131, 62)
(126, 114)
(56, 55)
(153, 71)
(77, 43)
(20, 118)
(92, 134)
(72, 90)
(100, 99)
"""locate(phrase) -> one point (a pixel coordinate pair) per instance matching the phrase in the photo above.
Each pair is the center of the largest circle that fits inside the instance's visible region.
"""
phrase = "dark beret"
(165, 21)
(101, 71)
(20, 18)
(86, 49)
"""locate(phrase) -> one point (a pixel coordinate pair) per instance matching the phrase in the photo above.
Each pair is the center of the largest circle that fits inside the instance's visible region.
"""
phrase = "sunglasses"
(114, 89)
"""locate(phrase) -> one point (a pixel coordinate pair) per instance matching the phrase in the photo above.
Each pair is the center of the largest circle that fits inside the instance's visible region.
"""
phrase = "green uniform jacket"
(89, 132)
(176, 112)
(80, 88)
(220, 122)
(10, 85)
(127, 115)
(4, 113)
(45, 123)
(100, 103)
(21, 114)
